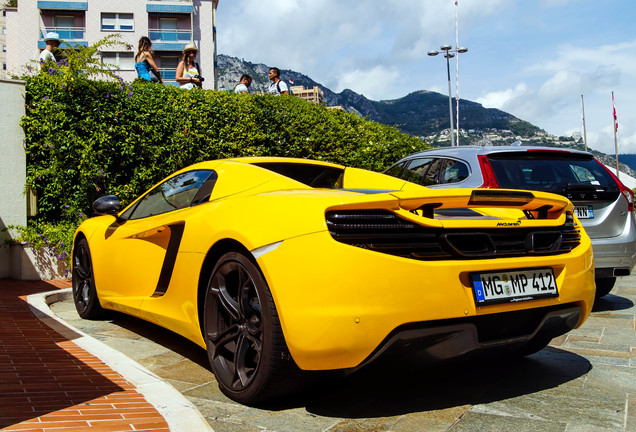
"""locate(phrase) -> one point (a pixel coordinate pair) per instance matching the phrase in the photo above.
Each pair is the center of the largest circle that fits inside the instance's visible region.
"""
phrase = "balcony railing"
(158, 35)
(168, 74)
(66, 33)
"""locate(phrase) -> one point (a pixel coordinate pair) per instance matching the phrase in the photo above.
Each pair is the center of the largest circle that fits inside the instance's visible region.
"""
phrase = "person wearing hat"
(52, 40)
(188, 71)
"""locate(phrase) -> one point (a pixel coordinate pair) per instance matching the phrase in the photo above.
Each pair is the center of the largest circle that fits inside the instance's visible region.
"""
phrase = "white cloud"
(374, 81)
(499, 99)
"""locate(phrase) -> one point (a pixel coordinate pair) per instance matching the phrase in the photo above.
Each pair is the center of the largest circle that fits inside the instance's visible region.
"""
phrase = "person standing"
(188, 71)
(277, 87)
(47, 55)
(144, 63)
(244, 84)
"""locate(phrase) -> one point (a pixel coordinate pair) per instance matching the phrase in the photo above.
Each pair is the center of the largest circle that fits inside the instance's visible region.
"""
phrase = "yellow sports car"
(278, 266)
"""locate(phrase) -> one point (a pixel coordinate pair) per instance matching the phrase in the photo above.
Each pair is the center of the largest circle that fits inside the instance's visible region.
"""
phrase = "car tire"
(84, 292)
(243, 335)
(604, 286)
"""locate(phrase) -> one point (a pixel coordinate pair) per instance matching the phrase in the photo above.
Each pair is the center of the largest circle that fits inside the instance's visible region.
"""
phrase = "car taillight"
(548, 150)
(490, 181)
(627, 192)
(629, 195)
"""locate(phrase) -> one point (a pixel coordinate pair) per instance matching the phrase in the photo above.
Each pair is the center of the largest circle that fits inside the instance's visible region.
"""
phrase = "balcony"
(168, 74)
(66, 33)
(169, 40)
(169, 77)
(70, 35)
(159, 35)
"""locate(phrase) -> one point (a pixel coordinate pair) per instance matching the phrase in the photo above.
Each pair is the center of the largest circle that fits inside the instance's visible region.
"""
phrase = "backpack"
(288, 88)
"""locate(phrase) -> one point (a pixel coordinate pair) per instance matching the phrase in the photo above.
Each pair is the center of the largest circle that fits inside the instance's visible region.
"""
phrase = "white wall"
(13, 209)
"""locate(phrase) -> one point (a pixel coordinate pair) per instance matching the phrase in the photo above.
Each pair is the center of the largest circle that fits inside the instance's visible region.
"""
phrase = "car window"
(396, 170)
(416, 170)
(550, 174)
(453, 172)
(316, 176)
(432, 175)
(180, 191)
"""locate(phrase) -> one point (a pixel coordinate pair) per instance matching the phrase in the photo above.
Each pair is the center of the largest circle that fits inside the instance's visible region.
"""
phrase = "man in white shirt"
(243, 85)
(277, 87)
(52, 40)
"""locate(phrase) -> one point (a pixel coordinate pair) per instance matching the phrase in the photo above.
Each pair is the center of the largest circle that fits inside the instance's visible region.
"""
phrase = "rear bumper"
(455, 338)
(616, 252)
(338, 303)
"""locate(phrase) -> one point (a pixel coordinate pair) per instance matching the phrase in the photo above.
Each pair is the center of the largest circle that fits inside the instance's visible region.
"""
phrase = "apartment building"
(170, 25)
(314, 95)
(3, 43)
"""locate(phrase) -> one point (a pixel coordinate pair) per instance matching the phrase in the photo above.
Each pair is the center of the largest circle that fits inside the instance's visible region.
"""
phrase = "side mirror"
(106, 205)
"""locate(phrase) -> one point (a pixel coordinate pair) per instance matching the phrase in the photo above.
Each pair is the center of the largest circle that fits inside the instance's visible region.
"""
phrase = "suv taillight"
(627, 192)
(490, 181)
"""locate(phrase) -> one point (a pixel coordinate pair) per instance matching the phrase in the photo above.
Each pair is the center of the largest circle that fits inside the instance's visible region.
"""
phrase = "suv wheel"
(604, 286)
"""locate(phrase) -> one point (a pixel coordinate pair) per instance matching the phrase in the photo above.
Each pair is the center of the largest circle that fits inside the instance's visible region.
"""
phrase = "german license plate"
(511, 286)
(584, 212)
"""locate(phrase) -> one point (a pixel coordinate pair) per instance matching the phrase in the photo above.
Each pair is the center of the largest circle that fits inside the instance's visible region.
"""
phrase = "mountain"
(422, 113)
(627, 159)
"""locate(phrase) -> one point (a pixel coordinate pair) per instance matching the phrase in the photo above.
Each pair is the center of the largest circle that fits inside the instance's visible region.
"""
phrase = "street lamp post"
(449, 53)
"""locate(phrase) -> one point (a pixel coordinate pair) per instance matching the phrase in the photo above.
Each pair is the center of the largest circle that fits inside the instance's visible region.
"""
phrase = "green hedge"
(87, 138)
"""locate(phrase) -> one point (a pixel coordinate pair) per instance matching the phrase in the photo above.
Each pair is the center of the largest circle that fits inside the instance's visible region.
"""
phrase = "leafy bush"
(86, 138)
(101, 137)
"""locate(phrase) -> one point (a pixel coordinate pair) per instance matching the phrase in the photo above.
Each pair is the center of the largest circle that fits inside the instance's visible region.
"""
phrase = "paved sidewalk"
(584, 382)
(48, 383)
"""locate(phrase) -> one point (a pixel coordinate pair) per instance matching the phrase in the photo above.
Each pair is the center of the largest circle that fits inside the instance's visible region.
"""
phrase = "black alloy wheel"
(244, 339)
(84, 292)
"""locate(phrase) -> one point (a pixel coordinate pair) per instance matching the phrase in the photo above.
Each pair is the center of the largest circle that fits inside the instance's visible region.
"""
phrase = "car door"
(139, 252)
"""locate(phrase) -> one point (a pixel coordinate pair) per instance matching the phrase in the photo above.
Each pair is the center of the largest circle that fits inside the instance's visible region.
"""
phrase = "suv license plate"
(584, 212)
(513, 286)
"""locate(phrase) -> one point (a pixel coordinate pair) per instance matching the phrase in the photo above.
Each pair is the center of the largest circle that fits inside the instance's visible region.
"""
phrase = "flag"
(291, 81)
(614, 110)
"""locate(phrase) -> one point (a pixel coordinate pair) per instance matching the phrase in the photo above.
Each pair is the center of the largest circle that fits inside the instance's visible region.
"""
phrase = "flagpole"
(615, 140)
(583, 114)
(457, 72)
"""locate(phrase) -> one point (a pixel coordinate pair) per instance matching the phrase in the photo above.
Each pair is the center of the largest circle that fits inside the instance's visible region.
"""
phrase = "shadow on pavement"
(38, 373)
(391, 388)
(612, 302)
(162, 336)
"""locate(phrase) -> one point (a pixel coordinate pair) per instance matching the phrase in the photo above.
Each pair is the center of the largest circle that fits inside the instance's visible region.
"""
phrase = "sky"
(531, 58)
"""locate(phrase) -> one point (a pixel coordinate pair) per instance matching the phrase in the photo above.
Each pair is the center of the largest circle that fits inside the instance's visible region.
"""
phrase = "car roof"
(259, 160)
(464, 151)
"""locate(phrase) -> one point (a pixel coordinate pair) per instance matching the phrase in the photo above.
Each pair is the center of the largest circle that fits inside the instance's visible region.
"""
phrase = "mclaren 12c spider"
(282, 266)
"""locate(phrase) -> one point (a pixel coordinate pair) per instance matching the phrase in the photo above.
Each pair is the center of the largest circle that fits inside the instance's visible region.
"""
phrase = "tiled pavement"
(48, 383)
(585, 381)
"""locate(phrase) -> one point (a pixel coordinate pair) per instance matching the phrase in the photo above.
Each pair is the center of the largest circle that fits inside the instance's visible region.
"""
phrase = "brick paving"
(47, 383)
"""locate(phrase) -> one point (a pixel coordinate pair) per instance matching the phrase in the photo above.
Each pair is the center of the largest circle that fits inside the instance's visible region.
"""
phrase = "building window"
(4, 66)
(117, 21)
(4, 48)
(124, 60)
(4, 30)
